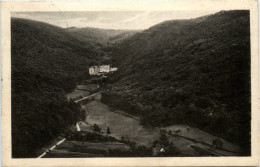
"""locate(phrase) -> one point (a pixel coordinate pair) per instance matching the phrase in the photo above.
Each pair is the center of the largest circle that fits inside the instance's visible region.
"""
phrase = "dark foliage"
(188, 71)
(103, 39)
(108, 130)
(46, 63)
(100, 37)
(89, 137)
(97, 128)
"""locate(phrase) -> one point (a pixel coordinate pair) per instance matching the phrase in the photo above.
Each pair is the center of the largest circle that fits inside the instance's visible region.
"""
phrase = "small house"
(158, 149)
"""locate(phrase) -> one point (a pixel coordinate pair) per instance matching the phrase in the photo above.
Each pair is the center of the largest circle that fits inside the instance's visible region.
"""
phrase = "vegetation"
(100, 36)
(47, 62)
(97, 128)
(130, 148)
(108, 131)
(194, 72)
(89, 137)
(103, 39)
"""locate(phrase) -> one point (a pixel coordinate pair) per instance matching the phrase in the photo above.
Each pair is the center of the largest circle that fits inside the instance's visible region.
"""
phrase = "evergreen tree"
(108, 130)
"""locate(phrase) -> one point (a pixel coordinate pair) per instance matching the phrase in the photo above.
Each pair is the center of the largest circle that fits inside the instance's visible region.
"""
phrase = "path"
(58, 143)
(86, 97)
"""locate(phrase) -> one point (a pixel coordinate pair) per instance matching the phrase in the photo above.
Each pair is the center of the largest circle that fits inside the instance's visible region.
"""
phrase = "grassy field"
(68, 154)
(102, 146)
(90, 88)
(189, 137)
(85, 149)
(82, 91)
(120, 125)
(71, 148)
(188, 140)
(77, 94)
(201, 136)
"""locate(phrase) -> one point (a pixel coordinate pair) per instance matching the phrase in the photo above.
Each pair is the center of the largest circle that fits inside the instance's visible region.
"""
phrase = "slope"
(194, 72)
(46, 62)
(101, 36)
(103, 39)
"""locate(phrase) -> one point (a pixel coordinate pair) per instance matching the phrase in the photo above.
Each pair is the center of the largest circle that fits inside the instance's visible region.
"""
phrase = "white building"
(104, 68)
(98, 70)
(112, 69)
(93, 70)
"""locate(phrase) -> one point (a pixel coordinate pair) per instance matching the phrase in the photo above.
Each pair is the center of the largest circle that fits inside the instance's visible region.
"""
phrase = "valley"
(188, 141)
(180, 88)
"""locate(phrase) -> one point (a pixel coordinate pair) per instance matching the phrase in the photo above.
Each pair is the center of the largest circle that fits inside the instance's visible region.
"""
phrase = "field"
(82, 91)
(200, 136)
(85, 149)
(120, 125)
(190, 141)
(188, 138)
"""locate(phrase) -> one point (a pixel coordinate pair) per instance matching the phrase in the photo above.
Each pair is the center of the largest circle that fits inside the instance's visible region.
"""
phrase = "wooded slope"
(193, 72)
(46, 62)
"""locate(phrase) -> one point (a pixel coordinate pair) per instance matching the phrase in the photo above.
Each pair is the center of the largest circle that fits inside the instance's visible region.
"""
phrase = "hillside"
(46, 62)
(103, 39)
(101, 36)
(194, 72)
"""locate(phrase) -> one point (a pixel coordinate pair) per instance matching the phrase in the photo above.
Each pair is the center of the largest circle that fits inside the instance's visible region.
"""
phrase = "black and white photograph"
(130, 84)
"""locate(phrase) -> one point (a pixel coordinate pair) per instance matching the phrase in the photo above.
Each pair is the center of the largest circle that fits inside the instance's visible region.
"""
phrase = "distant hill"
(103, 39)
(194, 72)
(46, 62)
(101, 36)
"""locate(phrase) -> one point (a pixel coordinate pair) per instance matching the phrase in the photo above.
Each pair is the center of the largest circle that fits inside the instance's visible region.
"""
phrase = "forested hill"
(49, 50)
(193, 72)
(101, 36)
(46, 62)
(103, 39)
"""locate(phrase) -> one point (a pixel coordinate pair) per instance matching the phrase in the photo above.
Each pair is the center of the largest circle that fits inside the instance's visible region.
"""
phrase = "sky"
(110, 19)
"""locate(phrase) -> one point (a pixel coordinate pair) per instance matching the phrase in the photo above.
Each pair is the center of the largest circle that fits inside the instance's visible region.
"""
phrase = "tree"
(108, 130)
(218, 143)
(164, 140)
(97, 128)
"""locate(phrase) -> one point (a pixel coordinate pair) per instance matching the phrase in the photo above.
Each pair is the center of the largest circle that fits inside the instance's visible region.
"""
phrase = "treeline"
(194, 72)
(46, 62)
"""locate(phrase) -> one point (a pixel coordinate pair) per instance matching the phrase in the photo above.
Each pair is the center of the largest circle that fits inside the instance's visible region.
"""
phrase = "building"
(93, 70)
(98, 70)
(158, 149)
(112, 69)
(104, 68)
